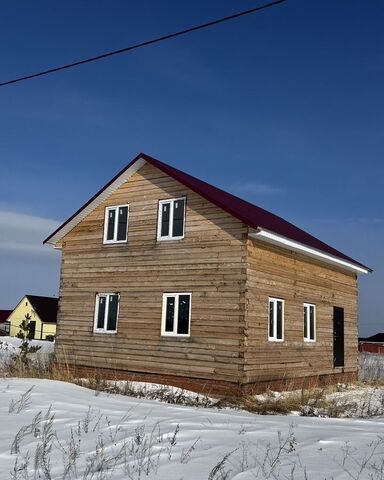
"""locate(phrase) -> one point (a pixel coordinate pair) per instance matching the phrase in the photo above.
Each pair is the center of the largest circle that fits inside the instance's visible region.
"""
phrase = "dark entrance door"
(32, 328)
(338, 337)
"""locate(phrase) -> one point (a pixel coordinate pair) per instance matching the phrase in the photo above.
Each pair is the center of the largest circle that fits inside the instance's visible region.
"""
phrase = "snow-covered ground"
(9, 346)
(371, 367)
(62, 427)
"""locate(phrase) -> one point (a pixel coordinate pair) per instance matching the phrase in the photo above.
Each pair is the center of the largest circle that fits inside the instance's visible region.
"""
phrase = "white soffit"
(104, 194)
(279, 240)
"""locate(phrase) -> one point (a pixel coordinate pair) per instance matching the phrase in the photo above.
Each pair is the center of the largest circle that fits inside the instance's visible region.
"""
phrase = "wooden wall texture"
(279, 273)
(210, 262)
(230, 277)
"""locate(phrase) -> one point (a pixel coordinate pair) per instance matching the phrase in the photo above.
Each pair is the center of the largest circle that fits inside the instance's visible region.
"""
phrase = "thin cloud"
(255, 188)
(22, 247)
(21, 233)
(27, 265)
(374, 221)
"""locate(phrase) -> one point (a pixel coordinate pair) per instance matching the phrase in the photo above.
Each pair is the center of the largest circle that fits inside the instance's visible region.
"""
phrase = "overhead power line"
(144, 44)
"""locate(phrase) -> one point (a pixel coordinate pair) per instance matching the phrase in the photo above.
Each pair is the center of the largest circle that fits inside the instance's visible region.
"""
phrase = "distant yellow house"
(43, 312)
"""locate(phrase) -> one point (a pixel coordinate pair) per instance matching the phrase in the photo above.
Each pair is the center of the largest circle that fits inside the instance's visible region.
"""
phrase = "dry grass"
(312, 399)
(306, 401)
(339, 400)
(45, 367)
(39, 366)
(371, 369)
(162, 393)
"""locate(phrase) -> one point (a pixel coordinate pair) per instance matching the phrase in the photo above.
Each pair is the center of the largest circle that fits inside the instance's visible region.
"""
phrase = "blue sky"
(283, 108)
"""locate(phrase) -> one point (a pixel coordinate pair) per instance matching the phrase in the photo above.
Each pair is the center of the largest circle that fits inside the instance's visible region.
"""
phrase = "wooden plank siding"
(231, 278)
(276, 272)
(210, 262)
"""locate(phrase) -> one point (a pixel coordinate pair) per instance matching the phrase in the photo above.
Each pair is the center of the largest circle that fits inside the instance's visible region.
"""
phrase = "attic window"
(116, 224)
(106, 312)
(171, 219)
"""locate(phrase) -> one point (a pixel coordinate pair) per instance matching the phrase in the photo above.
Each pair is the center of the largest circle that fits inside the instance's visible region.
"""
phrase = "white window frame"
(175, 315)
(159, 217)
(307, 306)
(274, 338)
(104, 330)
(107, 210)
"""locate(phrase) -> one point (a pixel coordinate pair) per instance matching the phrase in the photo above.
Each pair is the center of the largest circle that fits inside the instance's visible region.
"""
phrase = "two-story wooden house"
(169, 279)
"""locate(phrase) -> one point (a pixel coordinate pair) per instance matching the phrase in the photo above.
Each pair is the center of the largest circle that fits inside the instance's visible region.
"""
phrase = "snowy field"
(63, 431)
(10, 346)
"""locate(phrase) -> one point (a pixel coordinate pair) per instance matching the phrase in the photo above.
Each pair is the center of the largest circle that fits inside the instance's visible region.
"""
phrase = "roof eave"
(142, 158)
(284, 242)
(96, 199)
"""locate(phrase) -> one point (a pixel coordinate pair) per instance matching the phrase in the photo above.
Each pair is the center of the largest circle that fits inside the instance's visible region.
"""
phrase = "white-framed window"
(116, 224)
(106, 312)
(309, 322)
(276, 320)
(176, 315)
(171, 219)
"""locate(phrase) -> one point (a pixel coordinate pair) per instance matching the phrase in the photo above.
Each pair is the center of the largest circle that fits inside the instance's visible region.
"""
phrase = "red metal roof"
(251, 215)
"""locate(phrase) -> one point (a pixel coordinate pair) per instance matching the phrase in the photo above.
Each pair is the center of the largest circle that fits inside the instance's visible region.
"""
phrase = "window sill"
(102, 332)
(122, 242)
(174, 239)
(182, 338)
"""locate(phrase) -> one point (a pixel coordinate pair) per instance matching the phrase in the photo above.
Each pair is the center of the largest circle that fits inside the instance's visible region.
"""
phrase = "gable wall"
(18, 315)
(276, 272)
(210, 262)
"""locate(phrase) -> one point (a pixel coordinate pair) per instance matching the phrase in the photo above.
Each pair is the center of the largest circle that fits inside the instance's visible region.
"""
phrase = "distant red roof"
(4, 314)
(251, 215)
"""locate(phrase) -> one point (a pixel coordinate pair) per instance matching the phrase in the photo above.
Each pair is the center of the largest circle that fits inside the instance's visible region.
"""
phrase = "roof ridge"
(250, 214)
(40, 296)
(322, 246)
